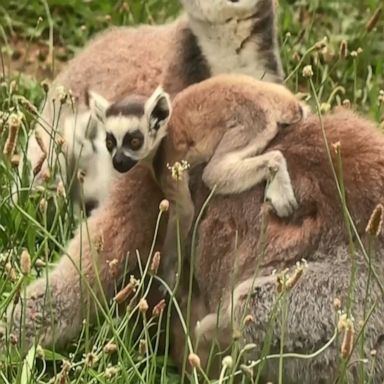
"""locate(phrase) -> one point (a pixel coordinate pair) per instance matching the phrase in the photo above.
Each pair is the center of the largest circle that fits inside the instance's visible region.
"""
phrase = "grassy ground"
(341, 39)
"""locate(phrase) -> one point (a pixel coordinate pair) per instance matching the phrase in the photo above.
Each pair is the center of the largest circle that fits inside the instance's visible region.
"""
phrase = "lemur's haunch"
(213, 37)
(225, 122)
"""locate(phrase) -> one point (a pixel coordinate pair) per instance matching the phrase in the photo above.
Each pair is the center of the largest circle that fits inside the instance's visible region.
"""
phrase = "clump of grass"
(341, 40)
(74, 22)
(345, 55)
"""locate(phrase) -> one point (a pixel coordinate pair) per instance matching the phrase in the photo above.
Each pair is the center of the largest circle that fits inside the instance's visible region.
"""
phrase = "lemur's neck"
(247, 46)
(157, 161)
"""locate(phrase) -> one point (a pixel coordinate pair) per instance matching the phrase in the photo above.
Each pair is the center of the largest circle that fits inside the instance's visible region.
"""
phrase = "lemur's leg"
(180, 220)
(199, 311)
(232, 173)
(52, 308)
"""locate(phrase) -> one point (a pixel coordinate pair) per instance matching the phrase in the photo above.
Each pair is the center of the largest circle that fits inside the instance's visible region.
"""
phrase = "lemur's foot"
(280, 194)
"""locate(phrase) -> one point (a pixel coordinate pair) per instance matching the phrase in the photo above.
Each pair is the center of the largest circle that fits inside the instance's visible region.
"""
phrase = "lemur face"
(220, 11)
(134, 127)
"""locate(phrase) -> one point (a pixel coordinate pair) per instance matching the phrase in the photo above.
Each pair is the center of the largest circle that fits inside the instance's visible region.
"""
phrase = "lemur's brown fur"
(232, 239)
(114, 64)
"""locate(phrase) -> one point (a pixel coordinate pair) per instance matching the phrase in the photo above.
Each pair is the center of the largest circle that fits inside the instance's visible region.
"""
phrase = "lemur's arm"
(174, 182)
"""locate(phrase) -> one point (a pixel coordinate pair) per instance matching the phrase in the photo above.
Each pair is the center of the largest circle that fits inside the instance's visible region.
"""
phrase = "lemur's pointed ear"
(98, 105)
(158, 109)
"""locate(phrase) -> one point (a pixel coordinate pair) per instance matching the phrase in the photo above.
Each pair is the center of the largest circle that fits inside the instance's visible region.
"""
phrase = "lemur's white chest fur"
(230, 47)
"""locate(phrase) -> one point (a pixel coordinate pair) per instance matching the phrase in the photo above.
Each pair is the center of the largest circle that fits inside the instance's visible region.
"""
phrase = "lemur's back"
(204, 111)
(123, 68)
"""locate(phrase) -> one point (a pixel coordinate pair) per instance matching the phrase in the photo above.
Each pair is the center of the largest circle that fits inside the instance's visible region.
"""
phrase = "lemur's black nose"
(122, 163)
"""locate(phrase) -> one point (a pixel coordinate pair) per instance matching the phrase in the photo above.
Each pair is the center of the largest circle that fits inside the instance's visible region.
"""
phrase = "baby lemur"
(225, 122)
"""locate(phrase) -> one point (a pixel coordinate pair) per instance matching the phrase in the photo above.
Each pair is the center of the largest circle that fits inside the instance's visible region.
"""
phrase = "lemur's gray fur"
(312, 321)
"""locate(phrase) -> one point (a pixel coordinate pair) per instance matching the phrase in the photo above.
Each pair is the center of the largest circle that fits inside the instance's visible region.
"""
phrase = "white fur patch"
(75, 135)
(221, 45)
(91, 157)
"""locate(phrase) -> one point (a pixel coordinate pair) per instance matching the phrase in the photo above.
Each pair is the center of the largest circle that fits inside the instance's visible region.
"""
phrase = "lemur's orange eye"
(135, 143)
(133, 140)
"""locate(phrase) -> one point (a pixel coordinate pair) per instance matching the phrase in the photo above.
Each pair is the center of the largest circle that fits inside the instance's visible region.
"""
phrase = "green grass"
(49, 33)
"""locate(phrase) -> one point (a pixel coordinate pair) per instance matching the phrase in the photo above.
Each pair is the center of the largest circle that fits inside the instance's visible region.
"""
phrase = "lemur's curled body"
(225, 122)
(213, 37)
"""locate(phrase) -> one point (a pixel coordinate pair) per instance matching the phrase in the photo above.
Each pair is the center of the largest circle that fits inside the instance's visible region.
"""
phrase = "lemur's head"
(134, 126)
(219, 11)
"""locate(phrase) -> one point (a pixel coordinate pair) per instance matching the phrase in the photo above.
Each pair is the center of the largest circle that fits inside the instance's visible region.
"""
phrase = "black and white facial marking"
(134, 126)
(237, 36)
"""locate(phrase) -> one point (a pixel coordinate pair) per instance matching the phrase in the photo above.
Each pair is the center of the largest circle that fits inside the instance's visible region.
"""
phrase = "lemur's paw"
(207, 327)
(299, 112)
(34, 318)
(306, 110)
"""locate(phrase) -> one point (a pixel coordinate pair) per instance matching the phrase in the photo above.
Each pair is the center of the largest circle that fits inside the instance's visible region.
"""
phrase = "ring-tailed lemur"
(225, 122)
(213, 37)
